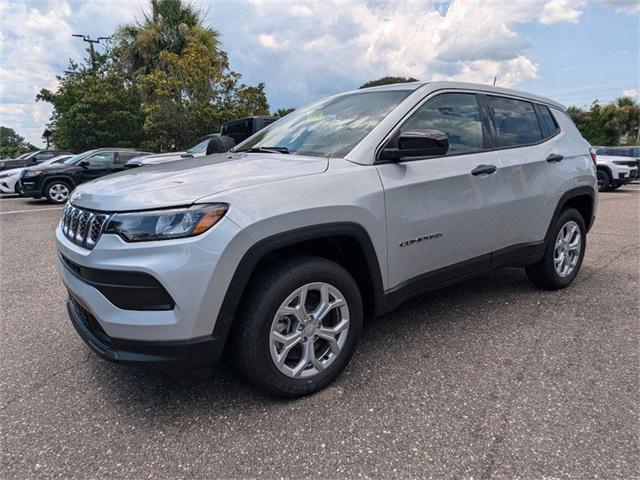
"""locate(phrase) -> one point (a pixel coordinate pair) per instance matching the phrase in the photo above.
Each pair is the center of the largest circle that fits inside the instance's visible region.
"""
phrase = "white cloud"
(627, 6)
(36, 45)
(631, 93)
(561, 11)
(302, 50)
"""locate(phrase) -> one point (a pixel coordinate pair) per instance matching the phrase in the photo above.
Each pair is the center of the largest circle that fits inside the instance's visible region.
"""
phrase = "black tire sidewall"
(257, 329)
(50, 184)
(567, 215)
(606, 180)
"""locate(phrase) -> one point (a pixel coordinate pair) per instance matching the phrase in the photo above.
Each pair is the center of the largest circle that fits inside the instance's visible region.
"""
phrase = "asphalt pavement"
(491, 378)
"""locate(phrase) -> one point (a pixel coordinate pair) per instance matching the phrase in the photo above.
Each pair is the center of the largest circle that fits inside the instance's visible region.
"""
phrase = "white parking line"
(32, 210)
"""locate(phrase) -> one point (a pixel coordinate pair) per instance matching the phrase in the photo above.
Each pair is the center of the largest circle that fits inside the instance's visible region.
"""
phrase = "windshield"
(76, 158)
(329, 128)
(199, 147)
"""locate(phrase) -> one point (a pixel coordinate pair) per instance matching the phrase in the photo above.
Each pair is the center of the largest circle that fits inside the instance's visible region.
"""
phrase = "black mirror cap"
(83, 163)
(418, 143)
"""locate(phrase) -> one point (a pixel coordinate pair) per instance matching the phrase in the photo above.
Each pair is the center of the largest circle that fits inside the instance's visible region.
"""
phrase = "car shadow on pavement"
(144, 394)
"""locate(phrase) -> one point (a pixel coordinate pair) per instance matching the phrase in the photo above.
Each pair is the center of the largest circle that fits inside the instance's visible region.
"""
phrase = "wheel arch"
(582, 199)
(347, 243)
(54, 178)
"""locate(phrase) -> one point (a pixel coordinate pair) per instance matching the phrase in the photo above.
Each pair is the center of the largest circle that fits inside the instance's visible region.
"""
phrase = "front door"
(442, 211)
(98, 165)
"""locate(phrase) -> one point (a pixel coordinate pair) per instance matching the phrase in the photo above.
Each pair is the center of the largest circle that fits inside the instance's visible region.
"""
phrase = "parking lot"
(491, 378)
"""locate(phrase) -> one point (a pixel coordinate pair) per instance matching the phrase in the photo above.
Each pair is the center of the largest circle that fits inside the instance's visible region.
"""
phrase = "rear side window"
(124, 157)
(548, 123)
(457, 115)
(515, 122)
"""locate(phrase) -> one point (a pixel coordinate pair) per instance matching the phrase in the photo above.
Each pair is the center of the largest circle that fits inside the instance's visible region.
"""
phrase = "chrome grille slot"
(83, 227)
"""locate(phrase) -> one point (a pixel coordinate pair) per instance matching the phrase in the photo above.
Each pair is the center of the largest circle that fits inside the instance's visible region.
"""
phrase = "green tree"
(281, 112)
(605, 125)
(168, 27)
(193, 95)
(622, 116)
(12, 144)
(388, 81)
(94, 109)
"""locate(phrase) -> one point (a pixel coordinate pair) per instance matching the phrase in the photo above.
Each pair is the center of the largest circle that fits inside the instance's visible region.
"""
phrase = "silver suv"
(275, 252)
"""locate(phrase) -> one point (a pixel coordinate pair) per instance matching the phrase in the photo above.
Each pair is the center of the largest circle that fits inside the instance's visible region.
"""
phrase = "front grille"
(83, 227)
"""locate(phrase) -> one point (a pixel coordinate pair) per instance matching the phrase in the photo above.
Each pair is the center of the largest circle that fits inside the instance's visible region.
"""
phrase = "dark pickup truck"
(231, 133)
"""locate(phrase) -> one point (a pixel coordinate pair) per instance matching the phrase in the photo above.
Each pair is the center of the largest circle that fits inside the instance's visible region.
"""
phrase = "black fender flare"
(568, 195)
(66, 178)
(259, 250)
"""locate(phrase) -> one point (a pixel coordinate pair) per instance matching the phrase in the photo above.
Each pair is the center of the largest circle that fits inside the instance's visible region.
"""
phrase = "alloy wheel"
(567, 249)
(59, 192)
(309, 330)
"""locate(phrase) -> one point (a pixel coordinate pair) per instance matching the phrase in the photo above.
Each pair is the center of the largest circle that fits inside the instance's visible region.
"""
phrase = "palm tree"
(167, 27)
(622, 116)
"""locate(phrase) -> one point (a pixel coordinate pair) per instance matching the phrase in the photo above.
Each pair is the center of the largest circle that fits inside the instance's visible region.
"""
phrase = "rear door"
(531, 170)
(439, 214)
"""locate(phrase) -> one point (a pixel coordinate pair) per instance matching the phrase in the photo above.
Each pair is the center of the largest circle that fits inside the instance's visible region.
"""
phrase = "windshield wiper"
(265, 150)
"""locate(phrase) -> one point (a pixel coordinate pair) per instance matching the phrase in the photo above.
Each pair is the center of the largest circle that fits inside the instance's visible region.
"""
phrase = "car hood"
(183, 183)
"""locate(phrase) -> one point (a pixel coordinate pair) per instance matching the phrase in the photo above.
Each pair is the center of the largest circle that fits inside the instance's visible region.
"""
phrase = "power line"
(91, 42)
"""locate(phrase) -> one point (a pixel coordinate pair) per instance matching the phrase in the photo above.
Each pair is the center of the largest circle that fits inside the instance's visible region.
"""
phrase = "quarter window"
(455, 114)
(549, 125)
(515, 122)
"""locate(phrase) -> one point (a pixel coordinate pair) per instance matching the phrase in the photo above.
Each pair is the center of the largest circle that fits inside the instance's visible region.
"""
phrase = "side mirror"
(83, 164)
(417, 143)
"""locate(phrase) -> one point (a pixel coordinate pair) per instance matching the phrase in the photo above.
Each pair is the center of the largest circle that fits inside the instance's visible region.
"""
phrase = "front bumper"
(195, 272)
(7, 187)
(31, 187)
(189, 354)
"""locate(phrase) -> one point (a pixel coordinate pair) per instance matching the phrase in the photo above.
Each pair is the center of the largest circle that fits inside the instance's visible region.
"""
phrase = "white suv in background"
(615, 169)
(275, 252)
(9, 178)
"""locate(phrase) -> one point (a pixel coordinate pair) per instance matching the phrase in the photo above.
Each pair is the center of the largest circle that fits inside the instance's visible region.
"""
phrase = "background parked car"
(10, 179)
(33, 158)
(614, 170)
(55, 182)
(231, 133)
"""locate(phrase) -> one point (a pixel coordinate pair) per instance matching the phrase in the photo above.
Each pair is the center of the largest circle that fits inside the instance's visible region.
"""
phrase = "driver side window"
(100, 159)
(455, 114)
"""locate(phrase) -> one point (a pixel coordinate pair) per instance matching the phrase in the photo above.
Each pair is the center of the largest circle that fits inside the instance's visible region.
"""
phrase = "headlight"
(5, 175)
(32, 173)
(166, 224)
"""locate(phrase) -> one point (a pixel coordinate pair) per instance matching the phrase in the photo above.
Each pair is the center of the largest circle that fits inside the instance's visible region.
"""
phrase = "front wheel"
(299, 325)
(57, 191)
(563, 254)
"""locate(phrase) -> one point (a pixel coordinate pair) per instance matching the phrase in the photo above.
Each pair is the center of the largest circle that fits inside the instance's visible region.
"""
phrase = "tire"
(57, 191)
(544, 273)
(604, 180)
(17, 189)
(220, 144)
(261, 319)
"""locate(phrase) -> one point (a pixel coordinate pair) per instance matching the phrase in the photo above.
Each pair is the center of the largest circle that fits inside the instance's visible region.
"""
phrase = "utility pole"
(91, 42)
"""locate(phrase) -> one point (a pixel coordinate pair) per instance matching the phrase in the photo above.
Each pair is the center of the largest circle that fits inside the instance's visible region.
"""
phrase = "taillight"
(593, 156)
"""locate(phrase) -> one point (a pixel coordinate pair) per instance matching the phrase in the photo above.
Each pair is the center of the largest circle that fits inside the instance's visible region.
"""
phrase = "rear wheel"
(604, 181)
(299, 326)
(57, 191)
(563, 254)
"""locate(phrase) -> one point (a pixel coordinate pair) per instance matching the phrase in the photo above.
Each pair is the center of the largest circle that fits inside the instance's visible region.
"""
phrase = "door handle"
(554, 157)
(484, 170)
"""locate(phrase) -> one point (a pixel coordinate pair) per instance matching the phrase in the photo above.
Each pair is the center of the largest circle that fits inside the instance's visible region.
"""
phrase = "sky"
(574, 51)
